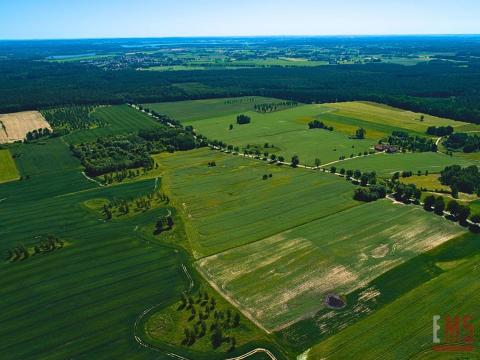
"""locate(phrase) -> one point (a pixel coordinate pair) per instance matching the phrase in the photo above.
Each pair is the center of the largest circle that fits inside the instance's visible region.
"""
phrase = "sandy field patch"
(14, 126)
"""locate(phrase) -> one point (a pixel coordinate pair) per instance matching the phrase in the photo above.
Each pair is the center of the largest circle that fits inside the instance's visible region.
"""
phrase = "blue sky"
(35, 19)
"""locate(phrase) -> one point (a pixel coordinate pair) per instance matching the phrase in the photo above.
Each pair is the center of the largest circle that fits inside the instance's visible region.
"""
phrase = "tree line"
(440, 130)
(463, 141)
(45, 245)
(274, 106)
(317, 124)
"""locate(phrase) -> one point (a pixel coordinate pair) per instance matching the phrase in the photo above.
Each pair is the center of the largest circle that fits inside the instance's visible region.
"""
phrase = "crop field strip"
(279, 280)
(230, 205)
(8, 169)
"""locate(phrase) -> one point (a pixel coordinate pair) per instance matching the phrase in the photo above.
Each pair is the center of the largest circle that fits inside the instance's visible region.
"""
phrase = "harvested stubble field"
(14, 126)
(286, 277)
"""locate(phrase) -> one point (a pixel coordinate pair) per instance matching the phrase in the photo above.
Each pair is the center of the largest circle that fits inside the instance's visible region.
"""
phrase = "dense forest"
(438, 88)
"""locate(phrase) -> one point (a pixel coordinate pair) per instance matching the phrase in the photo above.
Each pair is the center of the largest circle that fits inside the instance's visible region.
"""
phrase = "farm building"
(386, 148)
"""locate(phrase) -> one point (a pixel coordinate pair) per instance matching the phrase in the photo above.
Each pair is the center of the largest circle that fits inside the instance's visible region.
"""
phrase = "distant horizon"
(242, 36)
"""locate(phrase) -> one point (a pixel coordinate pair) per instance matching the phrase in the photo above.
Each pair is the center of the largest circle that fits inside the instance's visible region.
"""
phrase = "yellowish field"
(8, 170)
(383, 114)
(14, 126)
(429, 182)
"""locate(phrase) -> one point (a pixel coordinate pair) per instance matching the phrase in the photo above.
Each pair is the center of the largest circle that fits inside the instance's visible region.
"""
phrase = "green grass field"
(121, 119)
(387, 164)
(455, 292)
(284, 278)
(8, 170)
(288, 131)
(230, 205)
(202, 109)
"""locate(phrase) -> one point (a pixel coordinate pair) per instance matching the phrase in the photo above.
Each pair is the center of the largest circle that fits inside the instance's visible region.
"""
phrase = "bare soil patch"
(14, 126)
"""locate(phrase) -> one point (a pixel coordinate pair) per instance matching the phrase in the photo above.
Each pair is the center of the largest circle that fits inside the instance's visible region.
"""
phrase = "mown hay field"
(286, 277)
(8, 170)
(229, 205)
(15, 126)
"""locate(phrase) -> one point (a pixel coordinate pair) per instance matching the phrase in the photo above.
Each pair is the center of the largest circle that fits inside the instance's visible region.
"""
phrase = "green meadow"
(8, 169)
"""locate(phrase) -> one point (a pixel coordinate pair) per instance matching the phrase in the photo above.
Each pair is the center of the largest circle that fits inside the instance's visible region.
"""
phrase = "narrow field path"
(253, 352)
(93, 180)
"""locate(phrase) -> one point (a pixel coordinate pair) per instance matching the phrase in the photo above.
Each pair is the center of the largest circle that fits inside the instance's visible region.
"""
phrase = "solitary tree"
(317, 163)
(360, 133)
(295, 161)
(439, 205)
(429, 202)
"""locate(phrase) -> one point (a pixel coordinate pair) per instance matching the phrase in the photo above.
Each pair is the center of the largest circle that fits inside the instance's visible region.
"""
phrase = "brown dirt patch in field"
(14, 126)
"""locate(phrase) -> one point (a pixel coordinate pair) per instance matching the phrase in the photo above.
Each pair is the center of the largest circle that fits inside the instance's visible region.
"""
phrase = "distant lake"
(57, 57)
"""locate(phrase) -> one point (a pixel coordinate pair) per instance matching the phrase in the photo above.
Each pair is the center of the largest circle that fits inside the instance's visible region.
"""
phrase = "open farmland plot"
(8, 170)
(287, 131)
(379, 114)
(387, 164)
(121, 119)
(454, 292)
(15, 126)
(202, 109)
(230, 205)
(286, 277)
